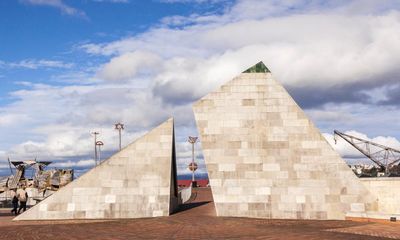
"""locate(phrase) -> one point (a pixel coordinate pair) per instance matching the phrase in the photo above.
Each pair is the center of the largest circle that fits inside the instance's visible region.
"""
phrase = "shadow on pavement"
(188, 206)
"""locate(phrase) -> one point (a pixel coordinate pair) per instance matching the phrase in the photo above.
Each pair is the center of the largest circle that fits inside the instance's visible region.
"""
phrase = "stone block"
(71, 207)
(273, 167)
(110, 198)
(227, 167)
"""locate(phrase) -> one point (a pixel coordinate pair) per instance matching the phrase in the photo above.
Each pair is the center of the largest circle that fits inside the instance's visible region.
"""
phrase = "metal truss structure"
(386, 158)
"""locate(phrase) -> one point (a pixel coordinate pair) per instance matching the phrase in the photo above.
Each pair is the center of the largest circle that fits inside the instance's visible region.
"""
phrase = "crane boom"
(383, 156)
(9, 164)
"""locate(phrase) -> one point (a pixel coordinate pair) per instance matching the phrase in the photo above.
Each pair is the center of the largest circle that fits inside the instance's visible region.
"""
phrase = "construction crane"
(386, 158)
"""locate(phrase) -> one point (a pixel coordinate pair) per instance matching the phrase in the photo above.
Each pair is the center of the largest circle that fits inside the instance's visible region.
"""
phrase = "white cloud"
(127, 65)
(336, 48)
(58, 120)
(12, 118)
(64, 8)
(71, 164)
(35, 64)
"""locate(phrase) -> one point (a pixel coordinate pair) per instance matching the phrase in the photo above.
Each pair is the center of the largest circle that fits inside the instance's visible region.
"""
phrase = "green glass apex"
(258, 68)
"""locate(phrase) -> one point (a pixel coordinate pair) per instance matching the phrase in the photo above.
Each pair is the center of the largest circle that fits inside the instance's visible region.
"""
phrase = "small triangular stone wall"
(266, 159)
(139, 181)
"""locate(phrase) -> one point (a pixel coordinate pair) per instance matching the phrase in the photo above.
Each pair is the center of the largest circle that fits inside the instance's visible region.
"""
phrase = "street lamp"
(119, 126)
(99, 144)
(95, 147)
(193, 165)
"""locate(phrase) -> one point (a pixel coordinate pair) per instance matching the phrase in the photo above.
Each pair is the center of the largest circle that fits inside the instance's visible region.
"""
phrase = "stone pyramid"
(266, 159)
(138, 181)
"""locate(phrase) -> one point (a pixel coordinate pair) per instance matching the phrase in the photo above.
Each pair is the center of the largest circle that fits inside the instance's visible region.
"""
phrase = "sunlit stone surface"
(139, 181)
(265, 158)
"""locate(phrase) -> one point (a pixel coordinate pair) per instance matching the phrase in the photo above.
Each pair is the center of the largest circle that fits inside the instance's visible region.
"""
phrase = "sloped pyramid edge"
(210, 109)
(117, 174)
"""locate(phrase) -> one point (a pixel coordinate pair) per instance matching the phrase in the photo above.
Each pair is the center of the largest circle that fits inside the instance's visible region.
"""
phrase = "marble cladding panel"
(265, 158)
(133, 183)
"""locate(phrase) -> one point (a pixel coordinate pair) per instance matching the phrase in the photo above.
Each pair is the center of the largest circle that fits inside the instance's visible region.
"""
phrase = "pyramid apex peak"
(258, 68)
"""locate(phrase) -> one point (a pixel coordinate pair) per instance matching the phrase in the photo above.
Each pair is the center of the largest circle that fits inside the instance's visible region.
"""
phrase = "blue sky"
(70, 67)
(37, 30)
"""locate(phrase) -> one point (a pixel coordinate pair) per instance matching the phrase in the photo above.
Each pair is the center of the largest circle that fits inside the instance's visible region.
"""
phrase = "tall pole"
(99, 144)
(119, 126)
(98, 155)
(95, 147)
(193, 165)
(119, 132)
(193, 161)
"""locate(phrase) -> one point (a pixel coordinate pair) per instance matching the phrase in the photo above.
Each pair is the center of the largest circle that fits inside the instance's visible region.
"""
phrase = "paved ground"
(195, 220)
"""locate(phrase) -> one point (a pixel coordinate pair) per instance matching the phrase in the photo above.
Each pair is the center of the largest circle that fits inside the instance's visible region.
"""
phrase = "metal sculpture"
(386, 158)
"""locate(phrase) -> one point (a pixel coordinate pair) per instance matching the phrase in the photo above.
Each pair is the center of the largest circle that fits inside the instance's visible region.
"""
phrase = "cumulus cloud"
(11, 118)
(335, 56)
(58, 120)
(127, 65)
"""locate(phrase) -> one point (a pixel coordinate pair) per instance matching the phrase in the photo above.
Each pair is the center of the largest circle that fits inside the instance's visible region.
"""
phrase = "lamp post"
(119, 126)
(99, 144)
(193, 165)
(95, 147)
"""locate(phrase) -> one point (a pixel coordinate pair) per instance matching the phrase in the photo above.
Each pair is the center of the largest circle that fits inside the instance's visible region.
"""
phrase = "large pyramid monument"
(266, 159)
(138, 181)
